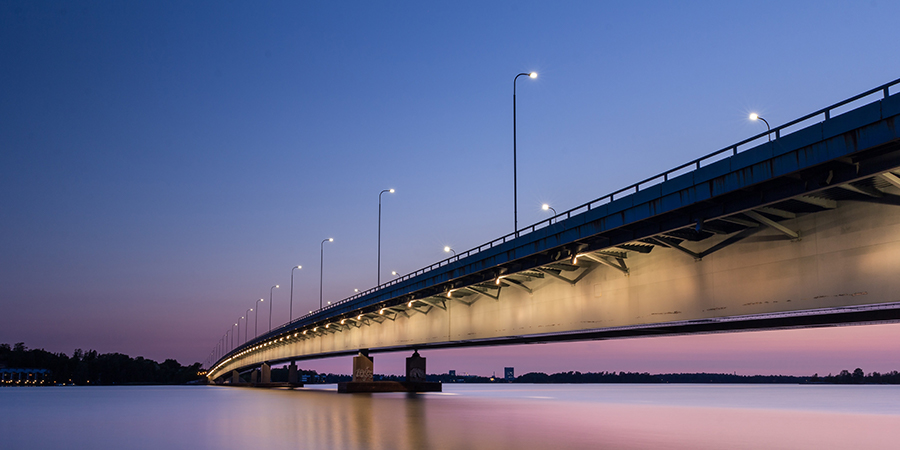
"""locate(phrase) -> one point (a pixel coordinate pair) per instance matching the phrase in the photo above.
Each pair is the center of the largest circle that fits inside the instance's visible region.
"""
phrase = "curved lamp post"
(755, 116)
(270, 305)
(447, 249)
(247, 326)
(379, 234)
(546, 207)
(239, 329)
(515, 192)
(321, 263)
(291, 309)
(256, 320)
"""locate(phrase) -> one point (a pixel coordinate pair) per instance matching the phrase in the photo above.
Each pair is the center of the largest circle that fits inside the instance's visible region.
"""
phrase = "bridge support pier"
(254, 376)
(266, 374)
(235, 377)
(415, 368)
(363, 370)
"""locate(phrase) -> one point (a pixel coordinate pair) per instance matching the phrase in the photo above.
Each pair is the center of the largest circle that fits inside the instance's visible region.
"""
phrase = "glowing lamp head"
(391, 191)
(533, 74)
(330, 239)
(298, 267)
(446, 249)
(545, 207)
(754, 116)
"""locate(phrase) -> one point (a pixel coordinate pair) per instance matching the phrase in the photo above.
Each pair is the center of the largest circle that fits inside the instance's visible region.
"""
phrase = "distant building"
(25, 377)
(509, 374)
(452, 373)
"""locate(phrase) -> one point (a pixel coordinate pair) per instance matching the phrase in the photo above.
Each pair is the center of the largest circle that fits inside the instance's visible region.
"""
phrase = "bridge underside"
(803, 231)
(827, 258)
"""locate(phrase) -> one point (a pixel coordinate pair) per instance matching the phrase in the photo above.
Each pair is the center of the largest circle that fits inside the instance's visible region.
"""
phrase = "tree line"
(844, 377)
(90, 368)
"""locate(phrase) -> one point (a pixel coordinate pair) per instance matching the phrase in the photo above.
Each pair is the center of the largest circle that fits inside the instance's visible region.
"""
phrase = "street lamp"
(755, 116)
(270, 305)
(321, 263)
(239, 329)
(247, 323)
(291, 309)
(447, 249)
(256, 320)
(379, 234)
(546, 207)
(515, 192)
(394, 273)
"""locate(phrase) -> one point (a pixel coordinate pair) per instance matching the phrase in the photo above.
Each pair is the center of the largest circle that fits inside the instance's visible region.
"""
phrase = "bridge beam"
(771, 223)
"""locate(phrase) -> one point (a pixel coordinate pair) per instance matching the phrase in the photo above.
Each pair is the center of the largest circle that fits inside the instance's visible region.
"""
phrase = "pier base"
(351, 387)
(266, 374)
(363, 368)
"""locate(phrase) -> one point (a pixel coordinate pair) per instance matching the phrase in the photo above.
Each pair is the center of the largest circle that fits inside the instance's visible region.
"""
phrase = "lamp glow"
(533, 74)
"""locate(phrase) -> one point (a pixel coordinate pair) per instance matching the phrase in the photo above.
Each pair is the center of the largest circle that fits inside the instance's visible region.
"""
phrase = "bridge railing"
(825, 113)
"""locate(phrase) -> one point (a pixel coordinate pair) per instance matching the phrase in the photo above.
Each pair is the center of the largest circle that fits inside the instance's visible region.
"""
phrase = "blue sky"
(163, 164)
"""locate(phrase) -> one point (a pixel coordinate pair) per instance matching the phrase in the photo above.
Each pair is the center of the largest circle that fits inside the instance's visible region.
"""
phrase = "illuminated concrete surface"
(800, 231)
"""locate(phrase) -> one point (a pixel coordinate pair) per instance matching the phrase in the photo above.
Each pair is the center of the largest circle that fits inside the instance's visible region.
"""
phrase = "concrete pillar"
(254, 376)
(235, 377)
(363, 366)
(415, 368)
(266, 373)
(292, 373)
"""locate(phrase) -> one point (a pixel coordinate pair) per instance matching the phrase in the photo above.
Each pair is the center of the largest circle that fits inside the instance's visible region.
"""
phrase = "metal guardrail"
(629, 190)
(632, 189)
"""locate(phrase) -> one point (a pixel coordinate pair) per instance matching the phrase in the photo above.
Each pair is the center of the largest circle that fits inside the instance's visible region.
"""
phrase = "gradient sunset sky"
(163, 164)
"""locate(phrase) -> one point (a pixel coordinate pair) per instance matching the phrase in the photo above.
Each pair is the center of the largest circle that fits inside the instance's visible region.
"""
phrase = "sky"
(163, 164)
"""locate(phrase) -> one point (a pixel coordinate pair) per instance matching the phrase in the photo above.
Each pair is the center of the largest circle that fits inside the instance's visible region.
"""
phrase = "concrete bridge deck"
(800, 231)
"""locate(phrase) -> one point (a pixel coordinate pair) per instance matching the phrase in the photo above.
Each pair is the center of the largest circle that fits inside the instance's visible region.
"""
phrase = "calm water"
(463, 417)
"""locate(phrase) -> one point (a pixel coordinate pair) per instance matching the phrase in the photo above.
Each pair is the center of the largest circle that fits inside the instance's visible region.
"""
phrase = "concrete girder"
(613, 254)
(436, 302)
(662, 240)
(556, 274)
(516, 283)
(561, 265)
(773, 224)
(891, 178)
(871, 192)
(484, 291)
(817, 201)
(739, 221)
(460, 298)
(777, 212)
(639, 247)
(602, 260)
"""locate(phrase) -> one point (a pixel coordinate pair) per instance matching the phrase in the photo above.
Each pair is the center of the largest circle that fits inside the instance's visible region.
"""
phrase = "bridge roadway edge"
(850, 147)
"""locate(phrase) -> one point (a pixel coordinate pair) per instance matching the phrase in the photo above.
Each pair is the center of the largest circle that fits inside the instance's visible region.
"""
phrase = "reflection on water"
(463, 417)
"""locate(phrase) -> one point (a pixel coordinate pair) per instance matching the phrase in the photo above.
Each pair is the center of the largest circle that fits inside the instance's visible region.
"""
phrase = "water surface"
(513, 416)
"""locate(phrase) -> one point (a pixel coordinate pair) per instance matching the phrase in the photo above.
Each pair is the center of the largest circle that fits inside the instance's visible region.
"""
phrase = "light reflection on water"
(463, 417)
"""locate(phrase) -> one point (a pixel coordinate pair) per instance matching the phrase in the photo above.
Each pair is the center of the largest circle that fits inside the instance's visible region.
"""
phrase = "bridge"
(795, 227)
